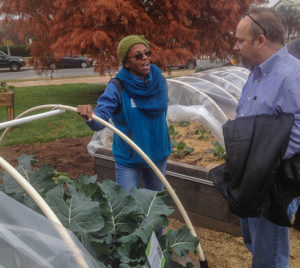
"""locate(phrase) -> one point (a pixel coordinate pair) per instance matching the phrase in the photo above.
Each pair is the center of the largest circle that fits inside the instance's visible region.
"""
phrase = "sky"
(272, 2)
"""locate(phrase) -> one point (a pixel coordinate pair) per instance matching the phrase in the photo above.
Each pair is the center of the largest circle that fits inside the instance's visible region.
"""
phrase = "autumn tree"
(6, 33)
(175, 28)
(291, 20)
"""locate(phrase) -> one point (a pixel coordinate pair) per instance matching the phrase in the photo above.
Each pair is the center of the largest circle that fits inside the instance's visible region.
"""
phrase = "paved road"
(29, 73)
(6, 74)
(86, 79)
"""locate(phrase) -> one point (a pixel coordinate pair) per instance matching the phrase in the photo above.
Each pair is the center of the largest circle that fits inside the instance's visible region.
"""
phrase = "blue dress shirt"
(273, 87)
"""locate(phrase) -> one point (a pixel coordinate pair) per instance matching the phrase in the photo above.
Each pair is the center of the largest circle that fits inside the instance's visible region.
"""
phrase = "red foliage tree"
(175, 28)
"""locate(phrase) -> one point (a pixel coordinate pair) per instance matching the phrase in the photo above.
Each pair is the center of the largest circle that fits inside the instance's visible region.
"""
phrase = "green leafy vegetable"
(172, 131)
(218, 151)
(180, 149)
(184, 123)
(114, 226)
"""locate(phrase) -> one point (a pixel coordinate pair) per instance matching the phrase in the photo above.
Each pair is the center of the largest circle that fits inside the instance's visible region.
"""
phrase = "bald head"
(266, 21)
(259, 35)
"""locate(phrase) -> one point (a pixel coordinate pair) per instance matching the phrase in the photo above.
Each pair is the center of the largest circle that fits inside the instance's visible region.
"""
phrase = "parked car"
(12, 62)
(70, 62)
(189, 63)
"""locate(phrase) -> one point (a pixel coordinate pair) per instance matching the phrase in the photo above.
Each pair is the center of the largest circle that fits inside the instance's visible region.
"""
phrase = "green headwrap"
(127, 43)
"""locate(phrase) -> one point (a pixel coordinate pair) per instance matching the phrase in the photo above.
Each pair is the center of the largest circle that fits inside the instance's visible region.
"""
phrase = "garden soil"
(71, 157)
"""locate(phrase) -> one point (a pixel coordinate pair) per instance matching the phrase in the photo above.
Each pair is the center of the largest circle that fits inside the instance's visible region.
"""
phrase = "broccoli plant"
(113, 225)
(172, 132)
(203, 134)
(218, 151)
(180, 149)
(184, 123)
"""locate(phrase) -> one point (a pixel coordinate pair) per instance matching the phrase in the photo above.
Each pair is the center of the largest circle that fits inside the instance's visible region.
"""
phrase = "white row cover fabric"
(28, 239)
(209, 97)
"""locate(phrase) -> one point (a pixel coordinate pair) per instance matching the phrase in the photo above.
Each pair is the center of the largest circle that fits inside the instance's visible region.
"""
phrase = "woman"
(138, 110)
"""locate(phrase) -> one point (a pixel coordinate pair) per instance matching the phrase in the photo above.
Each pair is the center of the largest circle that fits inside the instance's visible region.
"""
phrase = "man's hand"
(86, 111)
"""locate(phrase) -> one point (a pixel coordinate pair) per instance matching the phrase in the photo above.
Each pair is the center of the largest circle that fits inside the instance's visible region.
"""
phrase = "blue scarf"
(150, 96)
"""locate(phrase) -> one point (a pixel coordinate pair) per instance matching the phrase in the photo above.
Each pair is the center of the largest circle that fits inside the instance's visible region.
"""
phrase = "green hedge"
(17, 50)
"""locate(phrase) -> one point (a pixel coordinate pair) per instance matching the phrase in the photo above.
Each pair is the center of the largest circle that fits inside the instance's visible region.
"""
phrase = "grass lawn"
(65, 125)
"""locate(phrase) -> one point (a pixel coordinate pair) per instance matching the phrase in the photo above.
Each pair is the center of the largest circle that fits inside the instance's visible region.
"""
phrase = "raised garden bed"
(205, 206)
(188, 173)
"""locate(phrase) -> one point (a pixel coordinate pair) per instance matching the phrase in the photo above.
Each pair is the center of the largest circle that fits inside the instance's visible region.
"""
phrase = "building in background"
(290, 13)
(292, 3)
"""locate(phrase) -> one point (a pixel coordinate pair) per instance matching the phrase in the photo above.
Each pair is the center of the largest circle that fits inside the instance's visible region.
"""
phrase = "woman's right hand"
(86, 111)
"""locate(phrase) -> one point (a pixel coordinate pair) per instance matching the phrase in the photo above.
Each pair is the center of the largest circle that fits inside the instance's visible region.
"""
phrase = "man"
(273, 88)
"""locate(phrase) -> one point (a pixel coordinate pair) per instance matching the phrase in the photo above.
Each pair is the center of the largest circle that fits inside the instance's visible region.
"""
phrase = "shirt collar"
(265, 67)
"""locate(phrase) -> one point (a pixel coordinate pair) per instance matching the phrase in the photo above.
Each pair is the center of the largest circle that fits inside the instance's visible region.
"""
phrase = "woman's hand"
(86, 111)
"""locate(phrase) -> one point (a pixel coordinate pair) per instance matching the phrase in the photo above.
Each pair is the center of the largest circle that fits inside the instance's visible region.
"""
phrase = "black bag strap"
(117, 82)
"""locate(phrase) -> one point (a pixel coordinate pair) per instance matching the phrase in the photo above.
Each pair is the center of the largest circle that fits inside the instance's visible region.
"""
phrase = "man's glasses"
(140, 56)
(256, 22)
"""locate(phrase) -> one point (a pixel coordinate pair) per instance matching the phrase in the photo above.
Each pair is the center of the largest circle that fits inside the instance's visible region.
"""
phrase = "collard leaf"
(118, 208)
(39, 178)
(181, 241)
(151, 202)
(86, 184)
(26, 161)
(102, 265)
(154, 211)
(130, 254)
(180, 146)
(29, 202)
(86, 180)
(124, 265)
(145, 229)
(188, 149)
(78, 212)
(10, 185)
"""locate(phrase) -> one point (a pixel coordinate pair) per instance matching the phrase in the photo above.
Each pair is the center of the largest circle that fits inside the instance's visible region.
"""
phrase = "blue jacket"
(149, 133)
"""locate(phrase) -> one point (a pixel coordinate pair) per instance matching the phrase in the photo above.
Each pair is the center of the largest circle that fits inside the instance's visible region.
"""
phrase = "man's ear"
(261, 40)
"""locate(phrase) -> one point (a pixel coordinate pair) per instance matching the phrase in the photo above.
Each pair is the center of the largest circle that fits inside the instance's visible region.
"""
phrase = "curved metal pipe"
(46, 210)
(203, 261)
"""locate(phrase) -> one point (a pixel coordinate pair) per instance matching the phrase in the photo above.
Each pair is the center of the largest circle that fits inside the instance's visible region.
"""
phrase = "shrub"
(21, 50)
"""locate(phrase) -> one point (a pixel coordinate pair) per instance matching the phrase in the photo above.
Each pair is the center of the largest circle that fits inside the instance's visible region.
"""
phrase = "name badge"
(133, 105)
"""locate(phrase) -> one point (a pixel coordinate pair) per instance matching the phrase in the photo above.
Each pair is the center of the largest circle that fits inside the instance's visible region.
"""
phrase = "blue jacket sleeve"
(107, 104)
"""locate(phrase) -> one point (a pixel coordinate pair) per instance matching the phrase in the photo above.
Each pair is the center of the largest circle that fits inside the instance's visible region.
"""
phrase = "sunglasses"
(140, 56)
(256, 22)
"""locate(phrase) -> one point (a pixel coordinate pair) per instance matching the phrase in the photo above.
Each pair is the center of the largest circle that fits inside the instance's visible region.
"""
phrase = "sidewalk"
(61, 81)
(86, 80)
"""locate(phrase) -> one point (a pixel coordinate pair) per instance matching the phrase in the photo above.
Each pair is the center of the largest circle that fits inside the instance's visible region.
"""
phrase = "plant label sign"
(154, 253)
